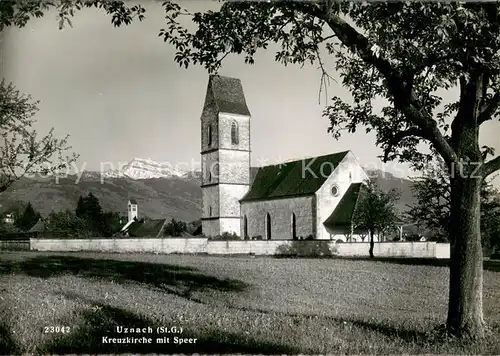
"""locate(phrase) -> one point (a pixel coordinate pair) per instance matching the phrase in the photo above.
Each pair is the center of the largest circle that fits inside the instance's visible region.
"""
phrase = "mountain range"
(161, 191)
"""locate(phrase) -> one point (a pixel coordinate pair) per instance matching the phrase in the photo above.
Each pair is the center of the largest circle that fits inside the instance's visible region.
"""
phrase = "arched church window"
(215, 170)
(245, 227)
(209, 211)
(209, 139)
(268, 226)
(234, 133)
(209, 176)
(294, 227)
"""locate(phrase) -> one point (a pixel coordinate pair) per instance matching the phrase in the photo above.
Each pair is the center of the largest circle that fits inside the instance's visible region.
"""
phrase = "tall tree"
(89, 209)
(80, 207)
(402, 57)
(22, 152)
(111, 223)
(66, 224)
(28, 218)
(375, 211)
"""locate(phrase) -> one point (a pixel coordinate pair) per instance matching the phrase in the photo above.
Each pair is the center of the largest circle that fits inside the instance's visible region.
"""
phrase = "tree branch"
(429, 62)
(489, 109)
(405, 100)
(398, 137)
(490, 167)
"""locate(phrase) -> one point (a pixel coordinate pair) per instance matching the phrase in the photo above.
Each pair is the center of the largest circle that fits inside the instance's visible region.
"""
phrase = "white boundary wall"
(272, 247)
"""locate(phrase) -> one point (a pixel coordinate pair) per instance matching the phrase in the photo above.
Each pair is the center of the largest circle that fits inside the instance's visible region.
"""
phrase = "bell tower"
(225, 155)
(132, 209)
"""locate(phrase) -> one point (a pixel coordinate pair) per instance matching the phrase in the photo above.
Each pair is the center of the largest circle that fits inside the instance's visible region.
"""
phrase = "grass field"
(230, 304)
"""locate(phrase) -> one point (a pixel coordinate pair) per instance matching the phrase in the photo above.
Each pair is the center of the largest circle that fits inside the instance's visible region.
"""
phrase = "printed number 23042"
(56, 329)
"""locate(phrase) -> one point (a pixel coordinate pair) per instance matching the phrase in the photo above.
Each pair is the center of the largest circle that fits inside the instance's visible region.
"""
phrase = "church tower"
(132, 209)
(225, 155)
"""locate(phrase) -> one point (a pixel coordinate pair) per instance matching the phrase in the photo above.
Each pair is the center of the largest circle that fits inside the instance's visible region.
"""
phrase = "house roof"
(149, 228)
(344, 211)
(133, 201)
(301, 177)
(38, 227)
(228, 95)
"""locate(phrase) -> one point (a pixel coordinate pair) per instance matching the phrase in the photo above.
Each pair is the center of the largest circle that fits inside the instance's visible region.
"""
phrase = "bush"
(175, 228)
(310, 237)
(319, 248)
(225, 236)
(258, 237)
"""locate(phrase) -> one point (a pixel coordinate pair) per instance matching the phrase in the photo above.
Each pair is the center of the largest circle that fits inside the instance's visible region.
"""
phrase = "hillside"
(386, 181)
(167, 197)
(173, 197)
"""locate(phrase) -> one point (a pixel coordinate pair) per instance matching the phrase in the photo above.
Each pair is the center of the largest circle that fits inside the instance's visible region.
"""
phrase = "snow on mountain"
(140, 168)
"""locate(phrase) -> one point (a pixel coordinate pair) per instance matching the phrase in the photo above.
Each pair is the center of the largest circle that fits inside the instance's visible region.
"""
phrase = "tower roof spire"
(228, 94)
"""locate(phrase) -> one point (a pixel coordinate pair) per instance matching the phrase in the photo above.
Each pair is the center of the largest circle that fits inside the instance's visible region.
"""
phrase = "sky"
(119, 94)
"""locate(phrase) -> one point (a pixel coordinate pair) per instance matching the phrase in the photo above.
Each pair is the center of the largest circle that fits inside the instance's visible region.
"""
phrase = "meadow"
(230, 304)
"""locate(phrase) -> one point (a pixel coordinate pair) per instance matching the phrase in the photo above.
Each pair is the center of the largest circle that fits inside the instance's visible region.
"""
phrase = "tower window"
(209, 177)
(209, 211)
(234, 133)
(209, 134)
(133, 208)
(350, 176)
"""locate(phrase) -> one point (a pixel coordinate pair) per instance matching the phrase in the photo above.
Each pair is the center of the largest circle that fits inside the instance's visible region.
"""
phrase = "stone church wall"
(280, 211)
(349, 171)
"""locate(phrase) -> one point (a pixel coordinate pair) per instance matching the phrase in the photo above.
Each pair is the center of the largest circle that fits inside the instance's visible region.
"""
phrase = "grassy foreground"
(229, 304)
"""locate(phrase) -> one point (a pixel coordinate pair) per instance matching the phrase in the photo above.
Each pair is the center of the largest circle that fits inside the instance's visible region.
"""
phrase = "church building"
(308, 198)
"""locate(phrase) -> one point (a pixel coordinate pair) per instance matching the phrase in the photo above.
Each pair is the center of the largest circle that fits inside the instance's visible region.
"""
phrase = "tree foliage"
(375, 211)
(28, 218)
(433, 199)
(175, 228)
(66, 224)
(89, 209)
(22, 151)
(403, 55)
(18, 13)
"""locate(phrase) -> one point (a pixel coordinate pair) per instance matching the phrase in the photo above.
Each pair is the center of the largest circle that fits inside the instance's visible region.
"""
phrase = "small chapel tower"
(225, 155)
(132, 209)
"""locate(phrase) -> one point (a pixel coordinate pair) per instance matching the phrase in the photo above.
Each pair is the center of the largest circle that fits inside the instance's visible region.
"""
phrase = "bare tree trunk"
(465, 308)
(372, 243)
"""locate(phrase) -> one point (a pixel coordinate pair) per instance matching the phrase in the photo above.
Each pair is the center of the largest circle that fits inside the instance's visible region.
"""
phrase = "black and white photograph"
(249, 177)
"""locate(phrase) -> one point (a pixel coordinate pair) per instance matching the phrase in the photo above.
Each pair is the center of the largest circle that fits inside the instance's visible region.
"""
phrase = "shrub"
(310, 237)
(320, 248)
(225, 236)
(258, 237)
(175, 228)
